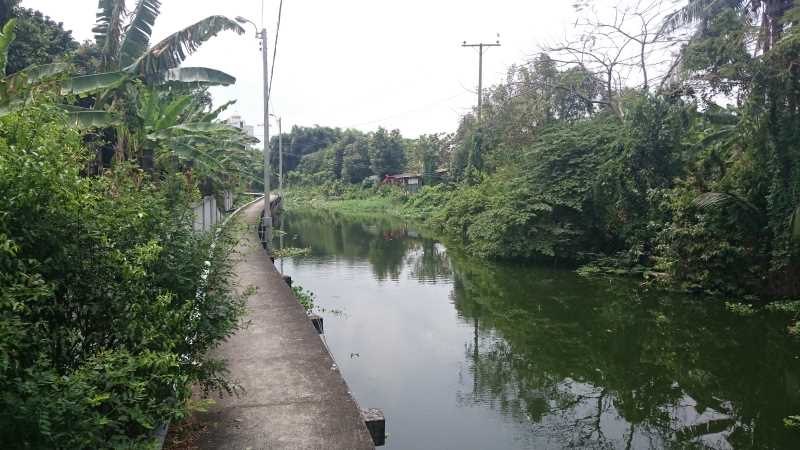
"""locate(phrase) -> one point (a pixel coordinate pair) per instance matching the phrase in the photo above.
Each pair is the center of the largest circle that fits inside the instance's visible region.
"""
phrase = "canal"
(461, 353)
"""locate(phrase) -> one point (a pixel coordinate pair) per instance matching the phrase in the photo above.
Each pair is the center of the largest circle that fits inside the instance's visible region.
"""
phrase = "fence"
(207, 212)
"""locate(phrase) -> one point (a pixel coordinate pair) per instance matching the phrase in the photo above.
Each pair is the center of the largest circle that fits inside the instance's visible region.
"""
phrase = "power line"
(275, 47)
(401, 114)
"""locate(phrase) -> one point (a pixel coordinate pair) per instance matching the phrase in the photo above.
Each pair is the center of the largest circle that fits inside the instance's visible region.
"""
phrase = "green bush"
(543, 206)
(109, 302)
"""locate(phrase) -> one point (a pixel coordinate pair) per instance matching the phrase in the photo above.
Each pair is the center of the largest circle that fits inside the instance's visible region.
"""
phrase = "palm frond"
(85, 119)
(173, 111)
(148, 107)
(213, 115)
(172, 51)
(718, 200)
(695, 11)
(138, 32)
(202, 76)
(720, 134)
(108, 29)
(199, 130)
(6, 38)
(38, 73)
(712, 200)
(207, 127)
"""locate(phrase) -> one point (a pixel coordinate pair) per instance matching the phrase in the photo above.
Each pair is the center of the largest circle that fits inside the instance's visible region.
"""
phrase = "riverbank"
(351, 201)
(432, 209)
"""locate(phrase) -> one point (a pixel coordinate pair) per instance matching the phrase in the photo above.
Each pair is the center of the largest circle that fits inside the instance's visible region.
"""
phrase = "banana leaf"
(88, 84)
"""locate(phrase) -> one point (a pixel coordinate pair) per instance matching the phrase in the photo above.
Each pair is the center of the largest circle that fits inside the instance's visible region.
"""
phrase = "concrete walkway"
(295, 396)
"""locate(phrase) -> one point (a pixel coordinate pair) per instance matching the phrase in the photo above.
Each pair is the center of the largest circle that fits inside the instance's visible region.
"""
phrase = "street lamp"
(267, 221)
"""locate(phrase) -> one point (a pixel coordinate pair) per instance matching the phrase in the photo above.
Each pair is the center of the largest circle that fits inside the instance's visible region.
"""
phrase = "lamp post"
(267, 220)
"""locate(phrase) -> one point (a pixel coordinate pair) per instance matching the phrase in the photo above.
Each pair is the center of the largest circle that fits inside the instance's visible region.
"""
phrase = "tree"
(768, 14)
(386, 152)
(39, 40)
(109, 302)
(16, 89)
(126, 58)
(356, 166)
(625, 49)
(301, 141)
(126, 46)
(125, 54)
(426, 153)
(179, 131)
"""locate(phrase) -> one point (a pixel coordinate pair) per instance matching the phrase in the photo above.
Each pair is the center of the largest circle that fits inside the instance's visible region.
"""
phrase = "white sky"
(357, 63)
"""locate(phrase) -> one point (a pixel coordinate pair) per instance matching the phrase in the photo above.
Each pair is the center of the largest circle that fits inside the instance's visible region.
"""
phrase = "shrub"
(109, 302)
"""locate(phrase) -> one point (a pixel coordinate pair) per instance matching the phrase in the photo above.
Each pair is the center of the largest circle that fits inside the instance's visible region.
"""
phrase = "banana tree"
(128, 61)
(123, 38)
(21, 88)
(126, 53)
(125, 46)
(181, 134)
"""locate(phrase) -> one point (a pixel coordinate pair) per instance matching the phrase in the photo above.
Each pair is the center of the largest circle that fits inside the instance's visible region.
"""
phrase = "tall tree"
(301, 141)
(386, 152)
(766, 14)
(125, 45)
(39, 39)
(355, 166)
(624, 48)
(125, 55)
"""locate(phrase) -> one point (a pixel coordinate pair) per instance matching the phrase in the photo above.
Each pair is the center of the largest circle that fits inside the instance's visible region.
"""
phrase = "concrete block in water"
(288, 280)
(376, 424)
(318, 324)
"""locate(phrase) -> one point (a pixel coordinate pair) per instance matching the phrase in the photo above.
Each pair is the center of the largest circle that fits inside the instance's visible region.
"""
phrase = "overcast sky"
(357, 63)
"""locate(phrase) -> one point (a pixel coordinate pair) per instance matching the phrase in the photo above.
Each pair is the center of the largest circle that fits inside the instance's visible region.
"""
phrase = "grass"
(371, 206)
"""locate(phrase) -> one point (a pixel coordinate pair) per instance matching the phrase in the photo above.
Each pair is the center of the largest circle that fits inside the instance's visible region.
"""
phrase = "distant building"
(237, 121)
(410, 181)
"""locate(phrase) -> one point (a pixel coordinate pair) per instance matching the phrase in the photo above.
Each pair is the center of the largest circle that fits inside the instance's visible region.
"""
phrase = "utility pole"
(280, 158)
(266, 224)
(480, 71)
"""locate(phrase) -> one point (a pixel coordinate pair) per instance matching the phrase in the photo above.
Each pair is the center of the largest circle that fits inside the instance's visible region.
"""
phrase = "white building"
(236, 121)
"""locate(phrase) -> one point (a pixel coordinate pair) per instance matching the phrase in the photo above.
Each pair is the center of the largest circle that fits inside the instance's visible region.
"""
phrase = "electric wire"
(275, 47)
(426, 107)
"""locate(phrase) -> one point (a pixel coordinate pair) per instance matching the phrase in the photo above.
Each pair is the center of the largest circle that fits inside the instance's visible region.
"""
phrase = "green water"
(462, 354)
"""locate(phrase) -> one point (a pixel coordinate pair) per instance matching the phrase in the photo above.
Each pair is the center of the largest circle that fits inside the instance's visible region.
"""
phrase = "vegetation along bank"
(110, 300)
(691, 179)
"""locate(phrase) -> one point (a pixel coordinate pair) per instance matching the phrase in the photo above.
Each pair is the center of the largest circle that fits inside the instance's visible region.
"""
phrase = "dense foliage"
(348, 156)
(693, 182)
(110, 301)
(40, 40)
(107, 303)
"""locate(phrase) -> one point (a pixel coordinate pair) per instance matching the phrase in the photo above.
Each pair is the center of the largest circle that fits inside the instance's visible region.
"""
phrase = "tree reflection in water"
(601, 365)
(584, 363)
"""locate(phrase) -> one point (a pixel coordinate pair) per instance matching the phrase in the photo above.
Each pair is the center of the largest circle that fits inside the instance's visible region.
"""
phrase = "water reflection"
(561, 361)
(388, 245)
